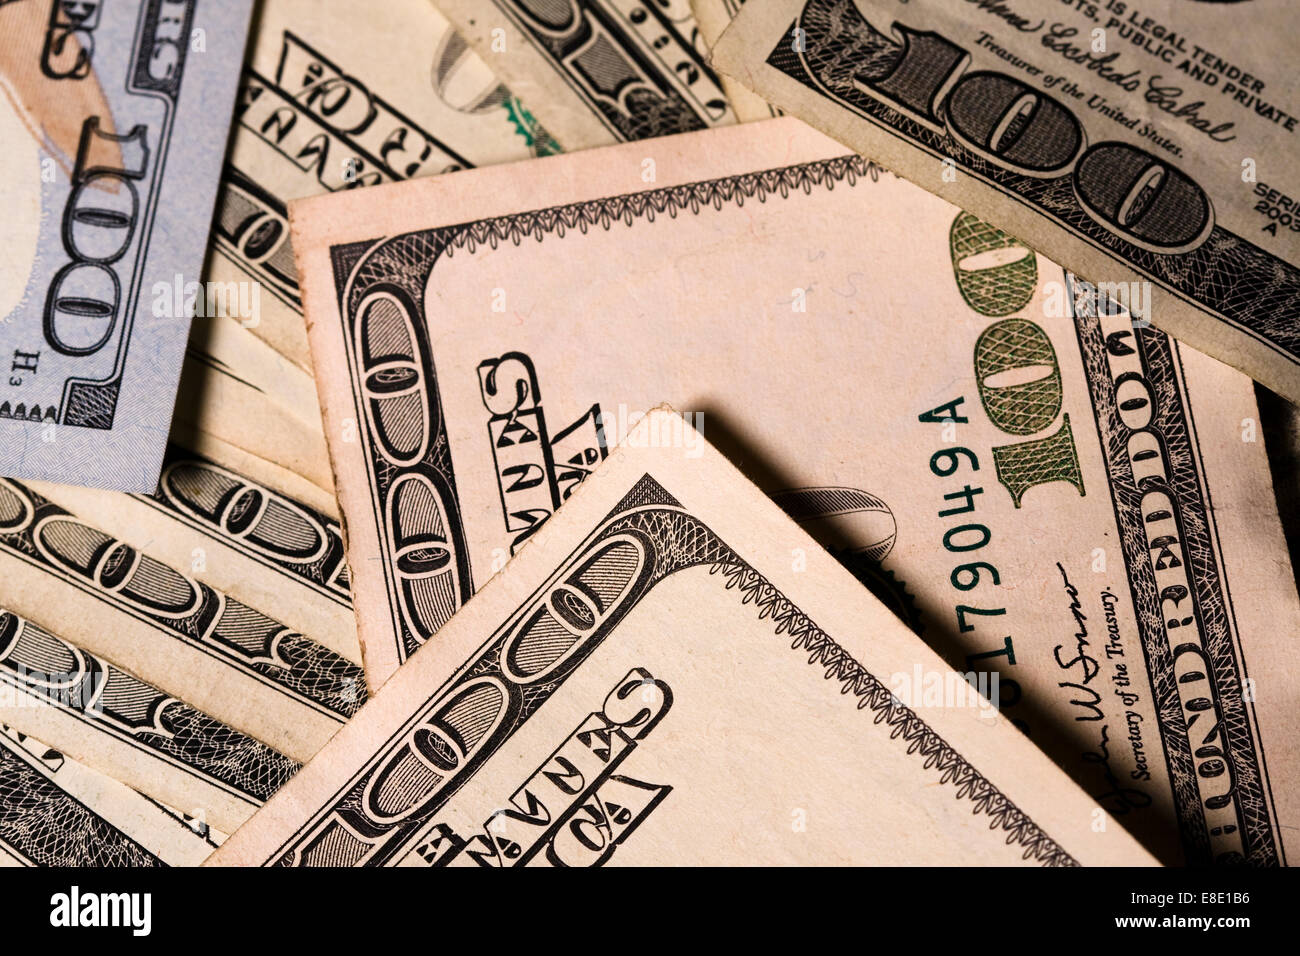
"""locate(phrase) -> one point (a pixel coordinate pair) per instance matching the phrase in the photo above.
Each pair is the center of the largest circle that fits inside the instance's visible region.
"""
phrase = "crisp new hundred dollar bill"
(114, 118)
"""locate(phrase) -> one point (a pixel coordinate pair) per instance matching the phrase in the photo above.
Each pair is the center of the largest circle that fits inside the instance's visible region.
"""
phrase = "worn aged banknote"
(272, 551)
(655, 681)
(328, 101)
(269, 474)
(1149, 146)
(1029, 480)
(163, 623)
(599, 71)
(57, 812)
(114, 723)
(335, 98)
(713, 17)
(114, 118)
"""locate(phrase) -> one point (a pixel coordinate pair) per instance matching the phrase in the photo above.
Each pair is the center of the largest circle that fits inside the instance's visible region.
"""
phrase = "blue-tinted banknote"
(113, 118)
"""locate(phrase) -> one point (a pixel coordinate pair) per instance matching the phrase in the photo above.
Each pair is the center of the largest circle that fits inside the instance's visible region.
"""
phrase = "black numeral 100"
(99, 224)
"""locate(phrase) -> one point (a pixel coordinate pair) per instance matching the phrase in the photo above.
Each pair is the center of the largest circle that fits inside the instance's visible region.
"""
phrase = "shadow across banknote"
(859, 530)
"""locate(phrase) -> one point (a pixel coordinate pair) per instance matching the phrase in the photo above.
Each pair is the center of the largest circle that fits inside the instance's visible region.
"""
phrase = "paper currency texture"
(114, 118)
(652, 681)
(1030, 480)
(1148, 147)
(599, 71)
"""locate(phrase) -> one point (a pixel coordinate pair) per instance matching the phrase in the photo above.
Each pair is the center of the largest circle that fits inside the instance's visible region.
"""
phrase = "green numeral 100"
(1016, 369)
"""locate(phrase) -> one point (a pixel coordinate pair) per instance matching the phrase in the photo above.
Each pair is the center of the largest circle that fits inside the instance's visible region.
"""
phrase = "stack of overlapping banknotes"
(502, 432)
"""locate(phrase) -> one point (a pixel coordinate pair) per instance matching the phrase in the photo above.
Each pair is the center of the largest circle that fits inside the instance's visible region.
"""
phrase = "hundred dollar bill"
(167, 626)
(1148, 146)
(114, 723)
(114, 120)
(334, 98)
(56, 812)
(270, 550)
(1030, 481)
(713, 17)
(655, 682)
(599, 71)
